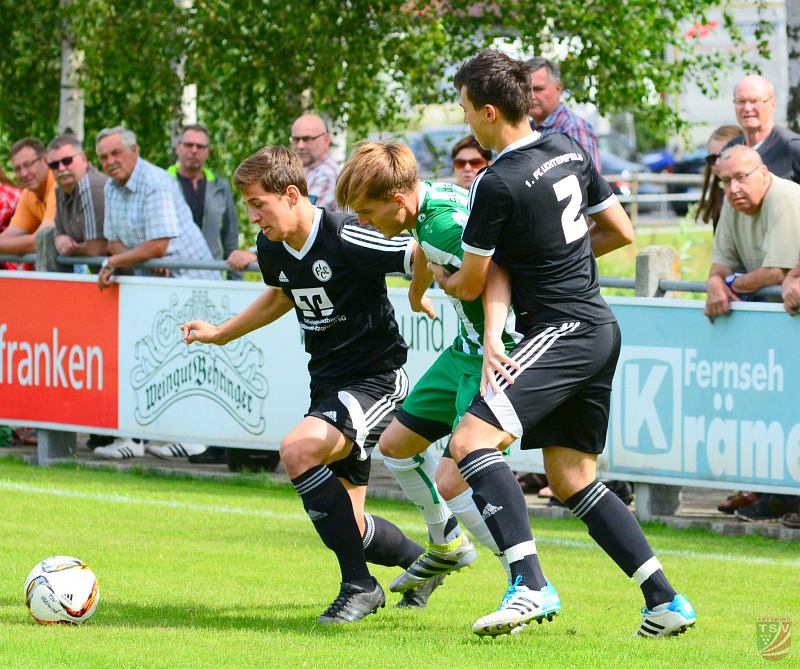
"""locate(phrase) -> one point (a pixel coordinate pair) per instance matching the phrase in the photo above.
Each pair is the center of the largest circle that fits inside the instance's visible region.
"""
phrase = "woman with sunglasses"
(469, 158)
(710, 203)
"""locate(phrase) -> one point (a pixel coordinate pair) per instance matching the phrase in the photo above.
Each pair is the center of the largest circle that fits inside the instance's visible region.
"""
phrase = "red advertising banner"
(58, 352)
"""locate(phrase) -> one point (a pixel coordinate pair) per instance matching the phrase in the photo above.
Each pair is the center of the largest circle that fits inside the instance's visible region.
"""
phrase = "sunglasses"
(66, 161)
(460, 163)
(711, 158)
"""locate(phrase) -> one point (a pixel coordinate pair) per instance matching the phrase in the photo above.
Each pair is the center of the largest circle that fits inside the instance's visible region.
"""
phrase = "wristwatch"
(106, 264)
(731, 278)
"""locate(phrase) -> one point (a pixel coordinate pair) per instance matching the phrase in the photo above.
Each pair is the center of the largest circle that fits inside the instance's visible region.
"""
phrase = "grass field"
(204, 573)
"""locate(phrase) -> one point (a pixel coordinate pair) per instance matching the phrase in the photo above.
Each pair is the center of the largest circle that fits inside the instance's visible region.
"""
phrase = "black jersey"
(338, 287)
(528, 209)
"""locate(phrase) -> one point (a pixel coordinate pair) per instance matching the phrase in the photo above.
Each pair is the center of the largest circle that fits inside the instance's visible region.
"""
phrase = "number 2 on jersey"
(572, 220)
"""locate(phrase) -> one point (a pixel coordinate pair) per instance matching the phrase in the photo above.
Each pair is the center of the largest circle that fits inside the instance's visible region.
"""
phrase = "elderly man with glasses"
(758, 236)
(311, 142)
(779, 148)
(79, 199)
(36, 208)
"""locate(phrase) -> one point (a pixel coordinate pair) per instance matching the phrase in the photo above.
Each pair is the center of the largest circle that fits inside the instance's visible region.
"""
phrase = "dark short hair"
(27, 142)
(493, 78)
(469, 142)
(197, 127)
(274, 168)
(553, 69)
(65, 140)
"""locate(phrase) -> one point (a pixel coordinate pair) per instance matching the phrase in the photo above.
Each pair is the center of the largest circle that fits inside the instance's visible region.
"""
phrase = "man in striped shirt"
(79, 199)
(550, 114)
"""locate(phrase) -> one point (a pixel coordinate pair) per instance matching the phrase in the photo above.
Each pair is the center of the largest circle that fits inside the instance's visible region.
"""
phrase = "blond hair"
(376, 171)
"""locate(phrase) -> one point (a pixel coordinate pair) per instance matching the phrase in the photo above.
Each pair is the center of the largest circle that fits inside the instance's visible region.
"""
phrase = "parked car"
(693, 162)
(612, 164)
(431, 147)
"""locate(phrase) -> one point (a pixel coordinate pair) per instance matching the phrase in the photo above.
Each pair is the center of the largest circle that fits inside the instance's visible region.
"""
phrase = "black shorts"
(562, 392)
(361, 410)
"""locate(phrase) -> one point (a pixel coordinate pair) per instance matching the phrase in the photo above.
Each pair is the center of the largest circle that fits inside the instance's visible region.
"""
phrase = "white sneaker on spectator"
(121, 449)
(175, 450)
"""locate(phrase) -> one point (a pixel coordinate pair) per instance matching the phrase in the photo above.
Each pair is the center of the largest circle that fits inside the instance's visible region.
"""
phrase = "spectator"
(36, 207)
(312, 143)
(207, 194)
(757, 242)
(469, 158)
(791, 291)
(79, 199)
(710, 205)
(145, 217)
(754, 103)
(758, 236)
(550, 114)
(9, 196)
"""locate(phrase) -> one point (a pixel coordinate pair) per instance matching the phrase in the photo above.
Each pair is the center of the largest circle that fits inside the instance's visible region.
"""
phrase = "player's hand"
(423, 305)
(239, 259)
(200, 331)
(440, 274)
(497, 366)
(791, 295)
(719, 299)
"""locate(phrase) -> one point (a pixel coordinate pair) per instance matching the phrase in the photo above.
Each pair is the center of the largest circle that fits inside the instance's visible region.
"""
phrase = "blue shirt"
(150, 206)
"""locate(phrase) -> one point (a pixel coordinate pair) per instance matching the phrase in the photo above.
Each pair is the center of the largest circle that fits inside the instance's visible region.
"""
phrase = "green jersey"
(443, 213)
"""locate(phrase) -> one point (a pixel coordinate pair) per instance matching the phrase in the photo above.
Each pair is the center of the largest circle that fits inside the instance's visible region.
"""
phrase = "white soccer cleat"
(175, 450)
(519, 607)
(668, 619)
(437, 560)
(120, 449)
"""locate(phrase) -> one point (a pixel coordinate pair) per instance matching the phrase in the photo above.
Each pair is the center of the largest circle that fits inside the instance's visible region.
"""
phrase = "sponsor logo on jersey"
(282, 277)
(330, 414)
(316, 515)
(490, 510)
(322, 270)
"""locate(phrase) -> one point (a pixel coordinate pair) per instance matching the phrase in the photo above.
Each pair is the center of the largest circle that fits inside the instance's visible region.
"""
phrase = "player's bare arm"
(268, 307)
(468, 282)
(421, 278)
(496, 301)
(610, 229)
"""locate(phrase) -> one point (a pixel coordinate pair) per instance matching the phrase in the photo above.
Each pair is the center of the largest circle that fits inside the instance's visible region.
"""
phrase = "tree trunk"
(793, 48)
(70, 109)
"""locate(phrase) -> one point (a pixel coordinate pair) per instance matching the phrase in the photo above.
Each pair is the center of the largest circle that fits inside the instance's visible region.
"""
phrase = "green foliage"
(366, 63)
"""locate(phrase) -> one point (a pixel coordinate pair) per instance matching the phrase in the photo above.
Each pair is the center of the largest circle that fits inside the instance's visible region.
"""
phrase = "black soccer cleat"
(352, 604)
(417, 598)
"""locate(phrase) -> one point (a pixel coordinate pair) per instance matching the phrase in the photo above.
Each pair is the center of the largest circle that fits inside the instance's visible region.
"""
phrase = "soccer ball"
(61, 589)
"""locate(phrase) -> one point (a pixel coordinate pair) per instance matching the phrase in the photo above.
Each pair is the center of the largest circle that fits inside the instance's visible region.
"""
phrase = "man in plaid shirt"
(311, 142)
(550, 114)
(146, 215)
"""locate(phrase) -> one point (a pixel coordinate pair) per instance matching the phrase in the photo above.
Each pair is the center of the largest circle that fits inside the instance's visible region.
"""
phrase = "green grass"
(204, 573)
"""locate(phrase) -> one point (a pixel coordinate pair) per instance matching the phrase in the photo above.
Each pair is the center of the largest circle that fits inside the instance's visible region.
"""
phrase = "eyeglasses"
(66, 160)
(727, 181)
(711, 158)
(307, 138)
(742, 102)
(461, 163)
(26, 165)
(194, 145)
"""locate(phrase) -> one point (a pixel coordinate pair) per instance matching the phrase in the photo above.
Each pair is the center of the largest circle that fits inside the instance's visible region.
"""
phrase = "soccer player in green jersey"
(380, 184)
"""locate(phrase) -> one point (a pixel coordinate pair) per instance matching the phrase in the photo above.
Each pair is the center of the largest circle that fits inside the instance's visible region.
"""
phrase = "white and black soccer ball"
(61, 589)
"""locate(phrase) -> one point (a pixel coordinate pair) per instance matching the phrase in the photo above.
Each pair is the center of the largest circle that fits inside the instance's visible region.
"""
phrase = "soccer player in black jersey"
(332, 273)
(528, 242)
